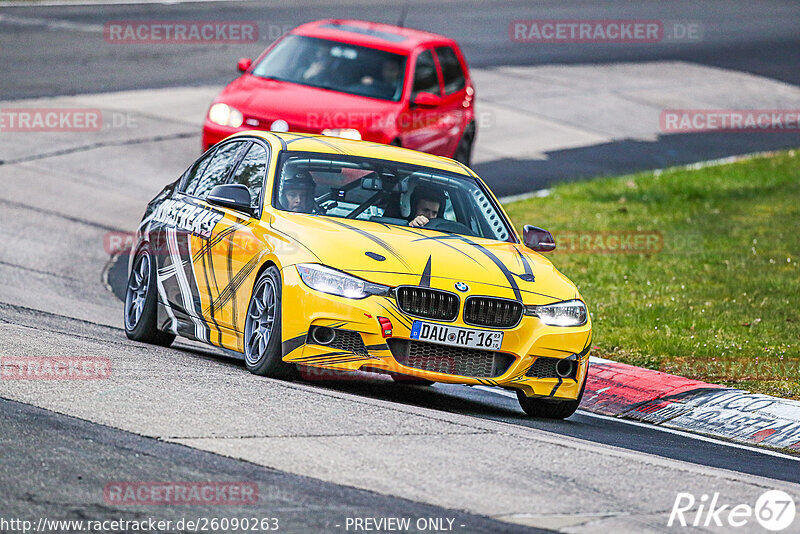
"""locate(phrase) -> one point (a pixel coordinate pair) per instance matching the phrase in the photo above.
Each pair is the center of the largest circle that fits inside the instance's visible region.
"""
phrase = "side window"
(251, 172)
(425, 78)
(190, 178)
(217, 169)
(451, 70)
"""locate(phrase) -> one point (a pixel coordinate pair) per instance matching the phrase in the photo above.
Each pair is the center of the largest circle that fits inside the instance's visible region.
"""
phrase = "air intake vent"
(492, 312)
(449, 360)
(543, 368)
(428, 303)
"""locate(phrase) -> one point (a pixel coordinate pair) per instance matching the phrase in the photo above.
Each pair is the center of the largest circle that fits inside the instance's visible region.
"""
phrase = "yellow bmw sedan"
(312, 252)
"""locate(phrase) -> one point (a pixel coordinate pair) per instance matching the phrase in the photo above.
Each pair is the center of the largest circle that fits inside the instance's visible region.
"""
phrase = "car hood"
(301, 105)
(396, 255)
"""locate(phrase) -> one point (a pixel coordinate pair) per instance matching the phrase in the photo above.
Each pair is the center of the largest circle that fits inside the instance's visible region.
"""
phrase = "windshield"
(387, 192)
(337, 66)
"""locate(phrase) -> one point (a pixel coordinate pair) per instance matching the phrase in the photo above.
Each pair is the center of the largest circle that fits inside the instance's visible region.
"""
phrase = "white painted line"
(651, 426)
(717, 162)
(699, 437)
(51, 24)
(539, 193)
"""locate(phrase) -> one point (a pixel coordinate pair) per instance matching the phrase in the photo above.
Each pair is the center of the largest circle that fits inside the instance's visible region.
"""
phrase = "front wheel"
(262, 329)
(141, 302)
(547, 408)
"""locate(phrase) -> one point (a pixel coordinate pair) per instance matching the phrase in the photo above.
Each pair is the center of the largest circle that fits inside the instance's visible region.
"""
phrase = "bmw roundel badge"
(461, 286)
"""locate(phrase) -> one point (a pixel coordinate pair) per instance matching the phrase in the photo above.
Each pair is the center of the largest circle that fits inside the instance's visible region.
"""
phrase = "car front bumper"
(361, 345)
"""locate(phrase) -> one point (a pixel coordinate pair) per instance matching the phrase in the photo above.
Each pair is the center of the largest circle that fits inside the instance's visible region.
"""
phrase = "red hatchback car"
(358, 80)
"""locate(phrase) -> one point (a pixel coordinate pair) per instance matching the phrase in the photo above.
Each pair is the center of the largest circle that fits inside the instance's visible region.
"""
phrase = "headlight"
(225, 115)
(335, 282)
(566, 313)
(346, 133)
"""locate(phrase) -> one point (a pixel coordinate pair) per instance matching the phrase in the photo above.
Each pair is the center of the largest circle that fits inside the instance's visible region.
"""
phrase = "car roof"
(371, 34)
(336, 145)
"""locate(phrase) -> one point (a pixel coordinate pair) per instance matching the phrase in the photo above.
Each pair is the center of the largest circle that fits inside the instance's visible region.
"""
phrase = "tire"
(463, 151)
(547, 408)
(262, 329)
(141, 302)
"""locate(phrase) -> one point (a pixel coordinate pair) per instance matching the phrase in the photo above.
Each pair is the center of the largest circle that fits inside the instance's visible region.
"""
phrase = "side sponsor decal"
(186, 217)
(177, 268)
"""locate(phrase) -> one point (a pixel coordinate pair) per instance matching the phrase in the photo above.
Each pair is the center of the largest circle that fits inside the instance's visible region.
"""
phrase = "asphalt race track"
(319, 453)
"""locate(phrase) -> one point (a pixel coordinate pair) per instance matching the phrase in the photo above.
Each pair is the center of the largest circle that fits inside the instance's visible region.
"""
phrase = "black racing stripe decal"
(292, 344)
(283, 143)
(210, 258)
(586, 345)
(555, 388)
(206, 263)
(217, 238)
(346, 360)
(425, 281)
(389, 248)
(230, 290)
(528, 276)
(229, 264)
(321, 357)
(500, 265)
(442, 241)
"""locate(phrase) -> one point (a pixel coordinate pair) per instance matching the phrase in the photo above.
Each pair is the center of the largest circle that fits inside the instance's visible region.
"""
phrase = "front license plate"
(457, 336)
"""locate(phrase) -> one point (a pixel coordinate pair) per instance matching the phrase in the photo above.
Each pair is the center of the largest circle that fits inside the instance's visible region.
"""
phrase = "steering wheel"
(454, 227)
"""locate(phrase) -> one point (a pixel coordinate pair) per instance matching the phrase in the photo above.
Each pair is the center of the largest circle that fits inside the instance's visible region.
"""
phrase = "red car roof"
(371, 34)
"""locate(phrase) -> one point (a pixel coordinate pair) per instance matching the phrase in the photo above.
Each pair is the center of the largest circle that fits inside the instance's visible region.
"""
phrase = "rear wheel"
(262, 329)
(547, 408)
(463, 151)
(141, 302)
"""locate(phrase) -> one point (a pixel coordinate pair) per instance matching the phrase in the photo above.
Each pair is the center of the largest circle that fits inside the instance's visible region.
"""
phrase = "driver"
(298, 192)
(425, 204)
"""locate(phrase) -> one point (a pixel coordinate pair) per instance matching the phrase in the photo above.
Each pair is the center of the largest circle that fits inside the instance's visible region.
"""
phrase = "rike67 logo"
(774, 510)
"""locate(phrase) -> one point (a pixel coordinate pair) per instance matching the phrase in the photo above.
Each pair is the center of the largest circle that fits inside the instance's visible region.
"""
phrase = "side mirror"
(244, 64)
(538, 239)
(427, 100)
(233, 196)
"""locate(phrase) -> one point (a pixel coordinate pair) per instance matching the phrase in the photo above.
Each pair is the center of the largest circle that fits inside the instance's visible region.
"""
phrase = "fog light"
(564, 368)
(322, 335)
